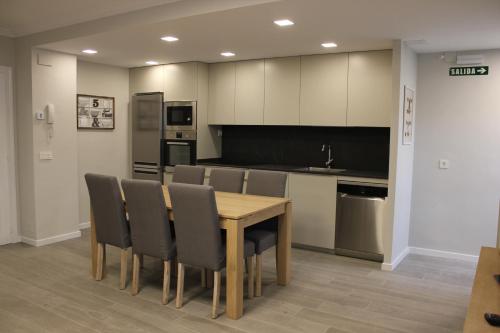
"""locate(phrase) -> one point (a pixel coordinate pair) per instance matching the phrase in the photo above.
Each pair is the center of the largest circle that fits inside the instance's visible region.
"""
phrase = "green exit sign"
(469, 71)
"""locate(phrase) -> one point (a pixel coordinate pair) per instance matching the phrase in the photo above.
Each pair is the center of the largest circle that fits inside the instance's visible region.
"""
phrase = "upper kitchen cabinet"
(249, 93)
(221, 92)
(323, 90)
(180, 82)
(370, 89)
(282, 91)
(146, 79)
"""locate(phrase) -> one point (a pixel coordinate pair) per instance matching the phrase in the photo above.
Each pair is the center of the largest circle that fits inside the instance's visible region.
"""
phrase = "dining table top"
(236, 206)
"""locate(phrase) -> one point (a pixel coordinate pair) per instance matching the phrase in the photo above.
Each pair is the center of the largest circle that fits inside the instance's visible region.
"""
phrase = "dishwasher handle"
(352, 196)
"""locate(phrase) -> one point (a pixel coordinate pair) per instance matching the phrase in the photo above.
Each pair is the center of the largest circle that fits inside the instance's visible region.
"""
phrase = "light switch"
(444, 164)
(46, 155)
(40, 116)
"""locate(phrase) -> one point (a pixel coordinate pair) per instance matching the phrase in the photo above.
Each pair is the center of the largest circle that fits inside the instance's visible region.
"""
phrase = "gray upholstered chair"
(111, 225)
(265, 234)
(149, 228)
(227, 180)
(199, 242)
(189, 174)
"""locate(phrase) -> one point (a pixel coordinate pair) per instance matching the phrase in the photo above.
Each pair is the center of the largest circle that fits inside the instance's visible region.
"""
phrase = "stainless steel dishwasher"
(360, 218)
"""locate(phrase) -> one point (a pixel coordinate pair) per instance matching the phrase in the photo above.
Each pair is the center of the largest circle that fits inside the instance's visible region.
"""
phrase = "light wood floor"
(49, 289)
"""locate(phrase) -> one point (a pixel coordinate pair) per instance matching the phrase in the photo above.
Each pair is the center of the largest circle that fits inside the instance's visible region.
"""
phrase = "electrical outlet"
(46, 155)
(444, 164)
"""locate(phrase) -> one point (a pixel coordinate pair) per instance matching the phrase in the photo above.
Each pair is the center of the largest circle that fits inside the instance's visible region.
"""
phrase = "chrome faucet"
(328, 163)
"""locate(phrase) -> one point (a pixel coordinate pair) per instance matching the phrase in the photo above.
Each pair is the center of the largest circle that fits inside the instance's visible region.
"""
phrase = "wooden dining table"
(237, 212)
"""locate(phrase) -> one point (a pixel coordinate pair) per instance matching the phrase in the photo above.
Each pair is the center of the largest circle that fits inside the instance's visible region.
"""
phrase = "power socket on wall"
(444, 164)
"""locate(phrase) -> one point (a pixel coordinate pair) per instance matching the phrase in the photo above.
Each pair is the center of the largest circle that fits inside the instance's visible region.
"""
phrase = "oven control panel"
(180, 135)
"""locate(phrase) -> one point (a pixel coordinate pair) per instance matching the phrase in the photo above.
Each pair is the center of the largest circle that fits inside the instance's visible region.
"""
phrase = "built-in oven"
(180, 116)
(179, 148)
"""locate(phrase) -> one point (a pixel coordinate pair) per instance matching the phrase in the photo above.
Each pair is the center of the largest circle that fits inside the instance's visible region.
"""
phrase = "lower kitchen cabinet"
(314, 200)
(167, 177)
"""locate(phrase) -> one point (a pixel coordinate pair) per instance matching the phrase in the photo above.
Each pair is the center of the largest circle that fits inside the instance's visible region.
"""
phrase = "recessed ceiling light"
(329, 44)
(89, 51)
(284, 23)
(151, 62)
(227, 54)
(170, 39)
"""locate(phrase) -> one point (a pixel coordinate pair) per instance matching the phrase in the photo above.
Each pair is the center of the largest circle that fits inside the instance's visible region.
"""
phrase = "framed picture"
(408, 116)
(95, 112)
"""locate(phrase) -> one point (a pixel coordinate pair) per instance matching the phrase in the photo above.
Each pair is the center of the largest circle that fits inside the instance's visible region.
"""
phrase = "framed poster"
(95, 112)
(408, 116)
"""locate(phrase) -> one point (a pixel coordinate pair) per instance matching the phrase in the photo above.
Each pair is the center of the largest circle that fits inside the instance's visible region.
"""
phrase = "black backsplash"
(356, 148)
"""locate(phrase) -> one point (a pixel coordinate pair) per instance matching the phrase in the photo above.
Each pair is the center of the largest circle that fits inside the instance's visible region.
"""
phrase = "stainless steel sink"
(322, 170)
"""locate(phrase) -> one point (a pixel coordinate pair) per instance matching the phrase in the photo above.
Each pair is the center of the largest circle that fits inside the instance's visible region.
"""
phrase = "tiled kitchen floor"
(49, 289)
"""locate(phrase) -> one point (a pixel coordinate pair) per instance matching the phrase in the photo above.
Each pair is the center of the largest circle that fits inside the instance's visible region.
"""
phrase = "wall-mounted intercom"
(51, 114)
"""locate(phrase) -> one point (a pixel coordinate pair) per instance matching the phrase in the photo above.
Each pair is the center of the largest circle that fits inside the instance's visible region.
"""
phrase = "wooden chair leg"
(180, 285)
(100, 261)
(123, 268)
(216, 295)
(250, 275)
(203, 278)
(135, 274)
(166, 282)
(258, 275)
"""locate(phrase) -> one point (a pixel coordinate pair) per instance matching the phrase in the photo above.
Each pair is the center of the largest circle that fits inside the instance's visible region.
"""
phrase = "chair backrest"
(196, 223)
(189, 174)
(227, 180)
(110, 219)
(268, 183)
(148, 215)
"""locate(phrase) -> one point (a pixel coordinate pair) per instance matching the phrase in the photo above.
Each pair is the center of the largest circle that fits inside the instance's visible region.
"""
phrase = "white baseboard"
(443, 254)
(392, 265)
(51, 240)
(84, 225)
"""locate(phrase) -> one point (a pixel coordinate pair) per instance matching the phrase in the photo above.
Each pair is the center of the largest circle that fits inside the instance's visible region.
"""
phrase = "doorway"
(8, 192)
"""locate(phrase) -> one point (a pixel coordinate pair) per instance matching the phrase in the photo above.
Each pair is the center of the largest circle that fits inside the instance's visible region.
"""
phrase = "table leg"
(93, 246)
(234, 270)
(284, 249)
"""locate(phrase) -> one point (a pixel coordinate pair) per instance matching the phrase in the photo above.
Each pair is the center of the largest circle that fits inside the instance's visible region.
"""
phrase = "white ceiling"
(24, 17)
(428, 25)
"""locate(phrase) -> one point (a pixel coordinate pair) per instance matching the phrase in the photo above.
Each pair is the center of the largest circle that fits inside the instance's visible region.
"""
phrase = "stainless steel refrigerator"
(147, 136)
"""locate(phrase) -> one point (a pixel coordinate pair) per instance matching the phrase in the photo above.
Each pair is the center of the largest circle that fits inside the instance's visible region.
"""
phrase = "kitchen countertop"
(298, 169)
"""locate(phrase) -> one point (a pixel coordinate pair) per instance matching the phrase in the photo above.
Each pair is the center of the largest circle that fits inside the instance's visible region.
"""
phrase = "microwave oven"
(180, 116)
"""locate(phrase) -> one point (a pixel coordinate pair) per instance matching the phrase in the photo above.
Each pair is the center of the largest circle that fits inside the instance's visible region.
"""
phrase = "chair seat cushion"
(263, 239)
(248, 251)
(166, 254)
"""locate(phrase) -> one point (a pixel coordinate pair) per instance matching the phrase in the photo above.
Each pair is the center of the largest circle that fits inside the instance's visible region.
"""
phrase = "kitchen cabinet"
(180, 82)
(146, 79)
(168, 176)
(370, 89)
(282, 91)
(249, 93)
(323, 90)
(221, 89)
(314, 199)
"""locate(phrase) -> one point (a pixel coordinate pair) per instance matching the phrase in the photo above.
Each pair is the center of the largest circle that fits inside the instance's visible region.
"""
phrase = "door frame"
(12, 207)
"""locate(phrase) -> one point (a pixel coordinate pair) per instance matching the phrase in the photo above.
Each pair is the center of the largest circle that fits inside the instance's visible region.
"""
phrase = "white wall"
(397, 228)
(55, 181)
(458, 118)
(103, 151)
(7, 51)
